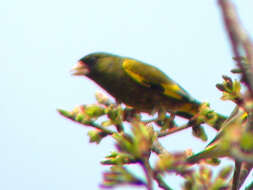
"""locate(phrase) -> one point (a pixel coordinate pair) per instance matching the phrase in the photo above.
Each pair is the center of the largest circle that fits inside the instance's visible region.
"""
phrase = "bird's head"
(86, 64)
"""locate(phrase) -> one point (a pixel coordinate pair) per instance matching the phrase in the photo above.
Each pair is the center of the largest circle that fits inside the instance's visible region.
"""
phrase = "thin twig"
(159, 149)
(90, 123)
(161, 182)
(245, 170)
(148, 173)
(93, 124)
(173, 130)
(236, 176)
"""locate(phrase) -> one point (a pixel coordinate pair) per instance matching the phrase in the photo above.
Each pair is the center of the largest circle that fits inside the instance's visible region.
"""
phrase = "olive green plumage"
(142, 86)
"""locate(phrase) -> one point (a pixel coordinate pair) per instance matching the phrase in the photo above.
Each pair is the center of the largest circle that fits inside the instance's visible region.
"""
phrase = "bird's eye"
(92, 59)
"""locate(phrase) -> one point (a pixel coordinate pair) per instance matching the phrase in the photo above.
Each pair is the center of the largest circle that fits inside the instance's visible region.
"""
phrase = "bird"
(139, 85)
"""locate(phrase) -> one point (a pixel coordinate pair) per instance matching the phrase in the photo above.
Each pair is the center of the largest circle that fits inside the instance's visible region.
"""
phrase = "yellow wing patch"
(128, 67)
(170, 88)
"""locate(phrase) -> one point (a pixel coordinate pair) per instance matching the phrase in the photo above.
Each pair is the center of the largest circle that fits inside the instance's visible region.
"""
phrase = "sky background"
(41, 40)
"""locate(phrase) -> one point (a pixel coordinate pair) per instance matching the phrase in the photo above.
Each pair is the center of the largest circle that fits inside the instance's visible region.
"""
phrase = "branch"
(161, 182)
(236, 175)
(148, 173)
(94, 125)
(173, 130)
(238, 38)
(153, 174)
(86, 123)
(245, 170)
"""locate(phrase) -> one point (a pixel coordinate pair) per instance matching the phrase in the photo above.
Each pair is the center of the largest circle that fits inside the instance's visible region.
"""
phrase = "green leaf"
(65, 113)
(96, 135)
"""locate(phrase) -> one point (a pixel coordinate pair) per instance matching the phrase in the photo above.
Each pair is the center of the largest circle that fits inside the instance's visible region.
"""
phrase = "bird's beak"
(80, 69)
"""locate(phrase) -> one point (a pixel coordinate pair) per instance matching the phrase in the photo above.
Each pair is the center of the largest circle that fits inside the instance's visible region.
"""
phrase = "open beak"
(80, 69)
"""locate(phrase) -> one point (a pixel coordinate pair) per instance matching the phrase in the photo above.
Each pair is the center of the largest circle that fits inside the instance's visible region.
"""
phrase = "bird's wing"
(152, 77)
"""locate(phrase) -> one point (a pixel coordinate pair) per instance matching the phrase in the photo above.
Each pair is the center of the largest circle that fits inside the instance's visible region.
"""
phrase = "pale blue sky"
(41, 40)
